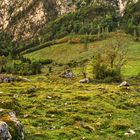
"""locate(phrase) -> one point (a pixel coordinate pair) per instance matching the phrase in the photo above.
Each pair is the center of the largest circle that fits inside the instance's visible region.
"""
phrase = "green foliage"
(13, 130)
(102, 71)
(73, 52)
(84, 21)
(23, 46)
(6, 44)
(71, 39)
(132, 19)
(3, 61)
(109, 61)
(45, 61)
(38, 47)
(121, 124)
(22, 67)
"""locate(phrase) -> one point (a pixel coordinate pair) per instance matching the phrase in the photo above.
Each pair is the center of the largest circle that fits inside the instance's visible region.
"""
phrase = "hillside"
(24, 19)
(69, 70)
(66, 53)
(63, 109)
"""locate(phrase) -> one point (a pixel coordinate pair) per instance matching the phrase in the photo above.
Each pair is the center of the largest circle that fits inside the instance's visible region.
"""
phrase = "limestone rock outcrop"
(10, 127)
(4, 131)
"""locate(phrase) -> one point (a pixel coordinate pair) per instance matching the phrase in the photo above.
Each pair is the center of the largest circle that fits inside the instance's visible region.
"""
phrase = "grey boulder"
(4, 131)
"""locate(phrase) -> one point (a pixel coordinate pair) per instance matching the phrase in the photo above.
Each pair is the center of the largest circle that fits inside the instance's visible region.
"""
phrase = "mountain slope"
(75, 53)
(24, 19)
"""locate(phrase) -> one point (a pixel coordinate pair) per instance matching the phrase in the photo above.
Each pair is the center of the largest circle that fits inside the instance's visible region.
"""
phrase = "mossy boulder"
(4, 131)
(12, 128)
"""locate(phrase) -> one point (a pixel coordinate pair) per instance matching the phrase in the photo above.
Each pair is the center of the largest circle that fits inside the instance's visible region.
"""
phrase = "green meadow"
(68, 52)
(70, 70)
(61, 109)
(53, 108)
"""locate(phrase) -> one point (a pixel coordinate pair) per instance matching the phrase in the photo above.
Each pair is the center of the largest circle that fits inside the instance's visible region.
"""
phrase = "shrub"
(121, 124)
(3, 61)
(41, 46)
(36, 67)
(6, 44)
(107, 62)
(106, 73)
(23, 67)
(46, 61)
(131, 19)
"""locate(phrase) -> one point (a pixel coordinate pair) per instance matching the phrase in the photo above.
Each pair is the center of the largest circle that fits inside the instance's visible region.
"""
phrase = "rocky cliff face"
(24, 19)
(65, 6)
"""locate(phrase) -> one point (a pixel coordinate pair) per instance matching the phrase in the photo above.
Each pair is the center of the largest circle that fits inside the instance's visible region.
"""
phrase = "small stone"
(67, 74)
(17, 124)
(66, 103)
(4, 131)
(15, 96)
(132, 132)
(49, 97)
(86, 80)
(124, 84)
(26, 79)
(88, 127)
(26, 115)
(126, 134)
(52, 116)
(62, 127)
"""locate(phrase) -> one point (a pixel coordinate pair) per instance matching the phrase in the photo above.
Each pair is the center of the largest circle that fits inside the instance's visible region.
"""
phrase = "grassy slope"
(52, 108)
(132, 68)
(59, 109)
(64, 53)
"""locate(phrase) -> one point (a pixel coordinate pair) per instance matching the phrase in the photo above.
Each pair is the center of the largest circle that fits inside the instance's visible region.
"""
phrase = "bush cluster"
(38, 47)
(72, 38)
(22, 66)
(131, 19)
(108, 74)
(107, 62)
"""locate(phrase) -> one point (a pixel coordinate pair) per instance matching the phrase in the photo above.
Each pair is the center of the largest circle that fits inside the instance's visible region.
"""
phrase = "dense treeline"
(131, 19)
(94, 20)
(88, 20)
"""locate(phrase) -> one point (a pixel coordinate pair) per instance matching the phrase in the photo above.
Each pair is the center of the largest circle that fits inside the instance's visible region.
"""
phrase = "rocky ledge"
(11, 78)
